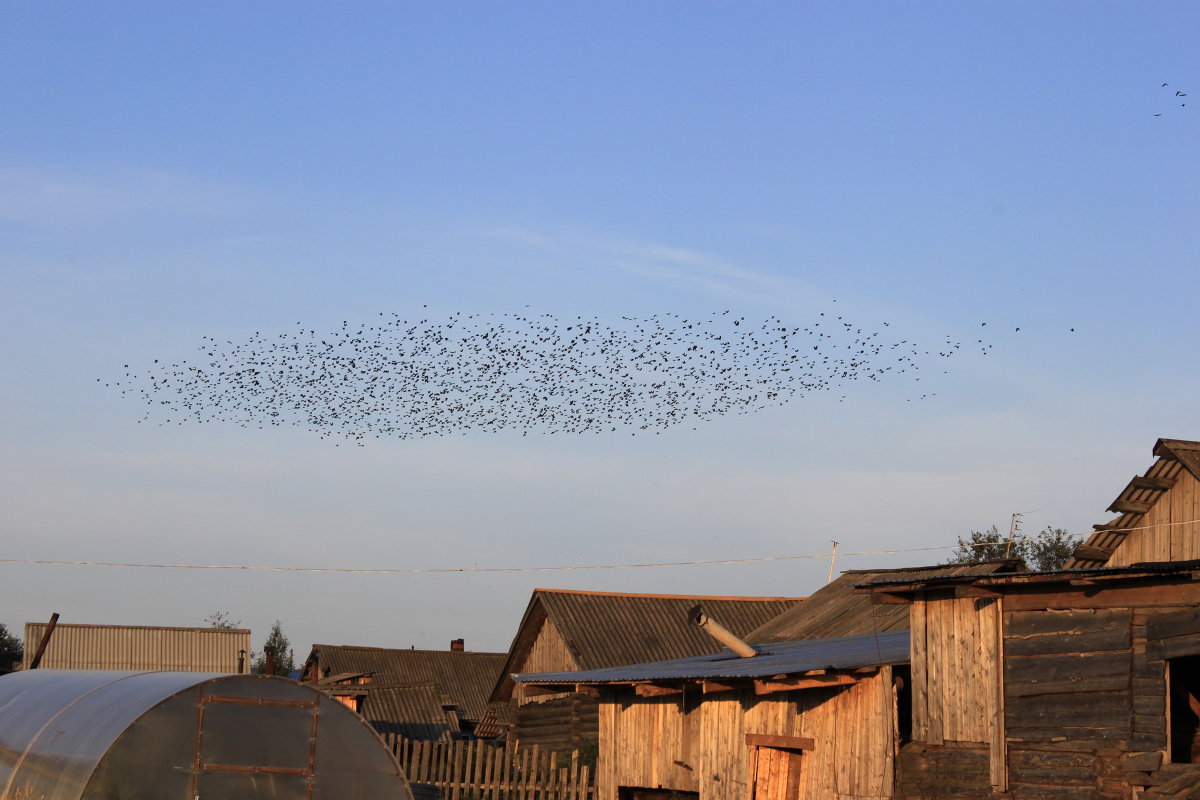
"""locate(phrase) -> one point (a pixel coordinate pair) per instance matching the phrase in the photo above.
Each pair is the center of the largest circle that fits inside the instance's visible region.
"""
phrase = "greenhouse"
(89, 735)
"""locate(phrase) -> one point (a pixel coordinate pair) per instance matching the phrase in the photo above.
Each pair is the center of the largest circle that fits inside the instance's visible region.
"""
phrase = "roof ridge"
(647, 595)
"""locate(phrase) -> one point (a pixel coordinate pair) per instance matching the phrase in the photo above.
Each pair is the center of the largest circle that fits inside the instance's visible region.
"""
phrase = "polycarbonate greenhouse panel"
(74, 735)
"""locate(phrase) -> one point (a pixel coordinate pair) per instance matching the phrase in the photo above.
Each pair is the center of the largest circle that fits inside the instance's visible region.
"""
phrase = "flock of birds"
(520, 372)
(1179, 95)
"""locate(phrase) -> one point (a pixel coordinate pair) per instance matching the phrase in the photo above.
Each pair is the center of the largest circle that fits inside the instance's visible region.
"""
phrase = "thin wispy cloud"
(672, 267)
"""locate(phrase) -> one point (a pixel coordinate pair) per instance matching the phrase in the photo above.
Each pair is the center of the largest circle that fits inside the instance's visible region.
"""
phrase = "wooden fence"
(482, 770)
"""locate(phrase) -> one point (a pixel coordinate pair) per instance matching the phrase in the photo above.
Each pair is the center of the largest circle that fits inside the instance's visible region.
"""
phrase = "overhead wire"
(567, 568)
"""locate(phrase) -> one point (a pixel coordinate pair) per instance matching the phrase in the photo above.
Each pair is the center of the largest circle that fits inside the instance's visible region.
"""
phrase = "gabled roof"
(1137, 498)
(607, 629)
(466, 678)
(837, 610)
(777, 659)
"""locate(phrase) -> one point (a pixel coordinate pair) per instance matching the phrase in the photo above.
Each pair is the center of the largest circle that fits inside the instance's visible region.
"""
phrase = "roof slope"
(465, 678)
(607, 629)
(1137, 499)
(414, 711)
(784, 658)
(836, 609)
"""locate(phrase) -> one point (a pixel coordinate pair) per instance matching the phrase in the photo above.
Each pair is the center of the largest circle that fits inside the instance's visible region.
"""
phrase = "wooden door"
(777, 773)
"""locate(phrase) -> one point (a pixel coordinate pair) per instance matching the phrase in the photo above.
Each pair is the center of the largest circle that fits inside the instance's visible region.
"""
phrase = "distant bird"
(487, 373)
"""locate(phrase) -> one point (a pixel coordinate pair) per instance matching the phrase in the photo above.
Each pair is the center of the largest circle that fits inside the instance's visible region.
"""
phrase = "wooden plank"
(1074, 686)
(934, 640)
(1088, 553)
(1085, 710)
(1173, 623)
(1143, 482)
(918, 655)
(769, 687)
(656, 690)
(1066, 666)
(1069, 621)
(1070, 642)
(1129, 507)
(786, 742)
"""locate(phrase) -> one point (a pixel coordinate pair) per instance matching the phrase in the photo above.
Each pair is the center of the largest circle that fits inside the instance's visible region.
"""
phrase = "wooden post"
(37, 657)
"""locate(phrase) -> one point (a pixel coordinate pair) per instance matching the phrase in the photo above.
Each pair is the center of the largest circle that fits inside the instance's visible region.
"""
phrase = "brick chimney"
(457, 645)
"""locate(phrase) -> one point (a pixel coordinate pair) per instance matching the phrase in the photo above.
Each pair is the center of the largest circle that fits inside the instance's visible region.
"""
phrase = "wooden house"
(565, 630)
(809, 719)
(383, 685)
(1081, 684)
(819, 712)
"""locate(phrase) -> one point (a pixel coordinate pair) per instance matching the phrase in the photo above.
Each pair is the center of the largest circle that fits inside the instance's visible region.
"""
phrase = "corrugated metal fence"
(480, 770)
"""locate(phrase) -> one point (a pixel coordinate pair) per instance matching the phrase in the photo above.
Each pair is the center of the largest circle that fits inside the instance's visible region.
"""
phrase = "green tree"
(11, 649)
(278, 649)
(1048, 550)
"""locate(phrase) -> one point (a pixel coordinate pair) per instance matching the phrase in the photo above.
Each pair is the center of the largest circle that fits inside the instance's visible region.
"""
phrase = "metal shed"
(92, 735)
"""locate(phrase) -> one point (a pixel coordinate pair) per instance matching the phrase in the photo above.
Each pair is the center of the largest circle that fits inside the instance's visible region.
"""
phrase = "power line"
(463, 570)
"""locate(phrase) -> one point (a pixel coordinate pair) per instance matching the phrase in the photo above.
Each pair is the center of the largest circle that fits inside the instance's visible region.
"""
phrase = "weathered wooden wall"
(549, 653)
(698, 744)
(1166, 541)
(1084, 695)
(957, 699)
(565, 723)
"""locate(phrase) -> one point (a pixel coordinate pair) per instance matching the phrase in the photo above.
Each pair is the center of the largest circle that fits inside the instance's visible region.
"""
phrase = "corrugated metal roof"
(1174, 456)
(467, 678)
(138, 647)
(606, 629)
(1143, 568)
(783, 658)
(837, 610)
(413, 711)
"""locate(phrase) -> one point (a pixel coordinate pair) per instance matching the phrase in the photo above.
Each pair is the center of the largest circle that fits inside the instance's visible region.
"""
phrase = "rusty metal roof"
(837, 610)
(1137, 498)
(607, 629)
(782, 658)
(466, 678)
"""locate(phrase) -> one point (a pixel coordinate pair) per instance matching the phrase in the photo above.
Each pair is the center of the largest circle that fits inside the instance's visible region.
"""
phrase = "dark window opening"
(1183, 678)
(902, 680)
(635, 793)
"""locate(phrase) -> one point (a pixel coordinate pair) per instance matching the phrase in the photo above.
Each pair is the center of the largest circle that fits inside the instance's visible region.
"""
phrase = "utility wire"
(411, 571)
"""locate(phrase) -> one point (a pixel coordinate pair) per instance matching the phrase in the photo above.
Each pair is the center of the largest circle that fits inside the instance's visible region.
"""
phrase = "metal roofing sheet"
(138, 647)
(414, 712)
(783, 658)
(837, 610)
(467, 678)
(605, 630)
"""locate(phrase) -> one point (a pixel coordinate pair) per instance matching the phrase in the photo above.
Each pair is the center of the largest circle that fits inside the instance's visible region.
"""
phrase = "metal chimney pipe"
(696, 616)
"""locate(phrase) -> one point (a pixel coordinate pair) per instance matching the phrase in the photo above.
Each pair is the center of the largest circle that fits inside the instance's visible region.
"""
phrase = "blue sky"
(173, 171)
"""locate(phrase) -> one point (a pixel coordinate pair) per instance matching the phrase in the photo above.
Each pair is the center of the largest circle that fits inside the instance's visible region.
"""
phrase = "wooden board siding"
(956, 676)
(698, 744)
(549, 653)
(563, 724)
(1166, 541)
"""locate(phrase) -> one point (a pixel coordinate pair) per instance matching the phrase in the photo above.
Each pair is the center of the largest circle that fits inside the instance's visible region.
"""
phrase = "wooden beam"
(974, 591)
(588, 689)
(708, 687)
(1128, 507)
(1160, 484)
(1111, 526)
(887, 598)
(784, 742)
(656, 690)
(533, 690)
(770, 687)
(1088, 553)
